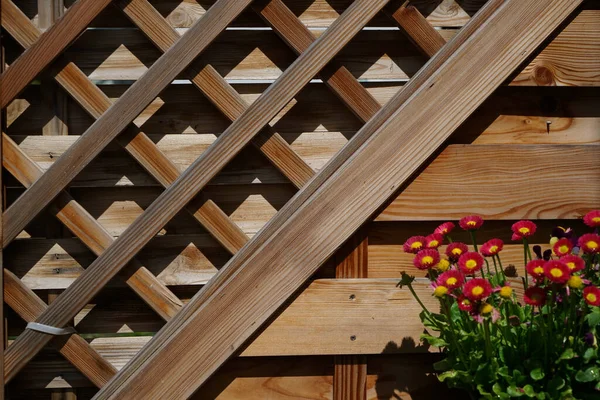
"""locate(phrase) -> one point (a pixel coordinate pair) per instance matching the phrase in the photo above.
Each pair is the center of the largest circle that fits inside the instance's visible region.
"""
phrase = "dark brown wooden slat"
(219, 92)
(75, 349)
(350, 372)
(119, 115)
(227, 319)
(91, 233)
(416, 27)
(193, 179)
(49, 46)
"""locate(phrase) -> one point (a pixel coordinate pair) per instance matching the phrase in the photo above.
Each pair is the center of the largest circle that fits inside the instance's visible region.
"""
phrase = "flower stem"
(525, 248)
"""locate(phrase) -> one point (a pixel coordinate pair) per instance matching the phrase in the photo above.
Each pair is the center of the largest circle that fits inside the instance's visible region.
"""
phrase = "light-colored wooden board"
(502, 182)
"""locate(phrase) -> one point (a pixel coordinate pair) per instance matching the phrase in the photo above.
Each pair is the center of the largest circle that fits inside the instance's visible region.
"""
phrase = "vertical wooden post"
(350, 373)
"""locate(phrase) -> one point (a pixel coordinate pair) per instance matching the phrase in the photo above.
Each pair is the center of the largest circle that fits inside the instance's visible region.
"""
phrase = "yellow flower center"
(477, 290)
(524, 230)
(443, 265)
(486, 308)
(571, 265)
(440, 291)
(434, 243)
(538, 270)
(456, 251)
(596, 219)
(493, 249)
(416, 245)
(575, 282)
(471, 223)
(427, 260)
(591, 297)
(451, 281)
(555, 272)
(506, 292)
(563, 249)
(470, 264)
(592, 244)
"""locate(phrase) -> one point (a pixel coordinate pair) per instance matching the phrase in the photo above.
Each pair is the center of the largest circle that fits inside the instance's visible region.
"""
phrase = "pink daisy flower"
(434, 241)
(426, 259)
(477, 289)
(535, 296)
(471, 222)
(444, 228)
(535, 268)
(464, 303)
(470, 262)
(414, 244)
(592, 219)
(591, 294)
(455, 250)
(523, 229)
(575, 263)
(589, 243)
(557, 271)
(492, 247)
(562, 247)
(452, 279)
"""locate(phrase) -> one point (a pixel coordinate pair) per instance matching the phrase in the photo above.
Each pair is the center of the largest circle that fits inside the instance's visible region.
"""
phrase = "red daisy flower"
(426, 259)
(592, 219)
(444, 228)
(477, 289)
(414, 244)
(492, 247)
(575, 263)
(562, 247)
(523, 229)
(470, 262)
(464, 303)
(590, 243)
(591, 294)
(557, 271)
(434, 241)
(455, 250)
(451, 279)
(535, 296)
(535, 268)
(471, 222)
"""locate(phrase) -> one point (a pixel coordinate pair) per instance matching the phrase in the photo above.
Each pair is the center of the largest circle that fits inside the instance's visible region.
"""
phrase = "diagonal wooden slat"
(75, 349)
(218, 91)
(365, 181)
(193, 179)
(414, 24)
(95, 102)
(119, 115)
(91, 233)
(49, 46)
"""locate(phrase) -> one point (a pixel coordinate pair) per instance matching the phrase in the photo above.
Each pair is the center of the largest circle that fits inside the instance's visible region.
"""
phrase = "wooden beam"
(219, 92)
(190, 182)
(350, 372)
(49, 46)
(266, 279)
(118, 117)
(49, 11)
(419, 30)
(74, 348)
(143, 149)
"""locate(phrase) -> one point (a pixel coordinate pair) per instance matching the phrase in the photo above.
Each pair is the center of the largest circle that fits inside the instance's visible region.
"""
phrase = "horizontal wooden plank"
(502, 182)
(313, 13)
(572, 58)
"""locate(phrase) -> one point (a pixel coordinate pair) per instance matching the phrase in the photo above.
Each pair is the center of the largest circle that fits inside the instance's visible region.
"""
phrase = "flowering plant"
(498, 344)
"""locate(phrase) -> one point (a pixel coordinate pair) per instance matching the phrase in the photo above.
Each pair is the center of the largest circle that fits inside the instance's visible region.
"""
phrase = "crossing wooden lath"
(381, 170)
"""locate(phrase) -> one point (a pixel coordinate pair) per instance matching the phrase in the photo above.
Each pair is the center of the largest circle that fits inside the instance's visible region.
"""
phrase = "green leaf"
(443, 365)
(434, 341)
(447, 375)
(589, 354)
(556, 383)
(537, 374)
(567, 355)
(589, 375)
(593, 318)
(514, 391)
(528, 389)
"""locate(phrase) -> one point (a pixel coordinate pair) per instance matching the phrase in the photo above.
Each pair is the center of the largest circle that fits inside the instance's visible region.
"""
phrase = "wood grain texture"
(219, 92)
(3, 329)
(154, 161)
(189, 183)
(115, 118)
(75, 349)
(309, 238)
(422, 33)
(49, 11)
(517, 180)
(47, 47)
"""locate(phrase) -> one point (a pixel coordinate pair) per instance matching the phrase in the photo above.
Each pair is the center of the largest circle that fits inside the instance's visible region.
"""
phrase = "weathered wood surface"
(570, 59)
(336, 198)
(183, 190)
(422, 33)
(47, 48)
